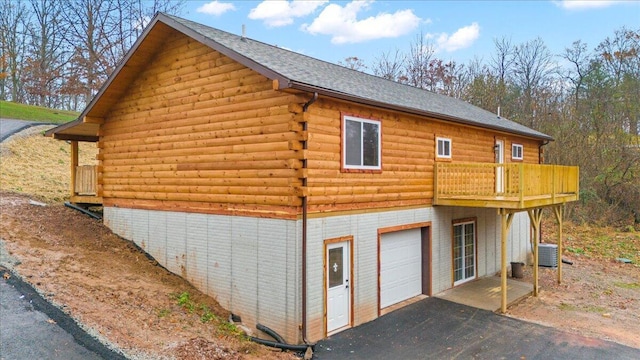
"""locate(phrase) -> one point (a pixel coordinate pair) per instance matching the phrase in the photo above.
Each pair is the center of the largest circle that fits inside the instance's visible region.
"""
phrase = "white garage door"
(400, 266)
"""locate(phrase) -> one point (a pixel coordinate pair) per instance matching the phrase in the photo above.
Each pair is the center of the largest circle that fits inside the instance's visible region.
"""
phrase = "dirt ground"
(598, 297)
(111, 288)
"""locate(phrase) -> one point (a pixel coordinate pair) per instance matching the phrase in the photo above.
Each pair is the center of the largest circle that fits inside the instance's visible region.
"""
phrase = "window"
(444, 147)
(516, 152)
(361, 139)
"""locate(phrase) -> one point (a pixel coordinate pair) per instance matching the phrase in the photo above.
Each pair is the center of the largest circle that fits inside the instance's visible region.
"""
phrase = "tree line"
(57, 53)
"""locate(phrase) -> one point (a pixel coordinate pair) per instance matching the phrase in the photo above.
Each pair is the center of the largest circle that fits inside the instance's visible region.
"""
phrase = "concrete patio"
(484, 293)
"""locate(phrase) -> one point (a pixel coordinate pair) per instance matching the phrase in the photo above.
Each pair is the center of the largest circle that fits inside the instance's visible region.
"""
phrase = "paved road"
(438, 329)
(26, 333)
(9, 127)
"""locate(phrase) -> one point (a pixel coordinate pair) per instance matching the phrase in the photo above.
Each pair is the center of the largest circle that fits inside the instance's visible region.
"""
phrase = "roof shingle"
(299, 69)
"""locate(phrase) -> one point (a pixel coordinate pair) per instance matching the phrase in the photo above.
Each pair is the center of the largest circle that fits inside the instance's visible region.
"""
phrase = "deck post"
(521, 185)
(74, 165)
(505, 221)
(535, 215)
(559, 211)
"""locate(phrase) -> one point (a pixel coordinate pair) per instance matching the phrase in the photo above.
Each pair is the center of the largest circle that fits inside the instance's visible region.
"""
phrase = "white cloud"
(343, 25)
(463, 38)
(216, 8)
(584, 4)
(282, 12)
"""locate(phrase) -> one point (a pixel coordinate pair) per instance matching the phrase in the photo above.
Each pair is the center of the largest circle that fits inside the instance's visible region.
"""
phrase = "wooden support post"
(521, 184)
(74, 165)
(506, 219)
(559, 211)
(535, 215)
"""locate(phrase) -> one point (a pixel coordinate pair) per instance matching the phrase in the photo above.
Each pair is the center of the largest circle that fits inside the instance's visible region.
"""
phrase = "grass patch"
(633, 286)
(13, 110)
(184, 300)
(595, 309)
(39, 166)
(575, 250)
(567, 307)
(597, 242)
(206, 315)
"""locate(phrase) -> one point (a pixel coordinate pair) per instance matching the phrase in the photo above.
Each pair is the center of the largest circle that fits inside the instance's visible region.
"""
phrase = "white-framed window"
(443, 147)
(361, 143)
(516, 152)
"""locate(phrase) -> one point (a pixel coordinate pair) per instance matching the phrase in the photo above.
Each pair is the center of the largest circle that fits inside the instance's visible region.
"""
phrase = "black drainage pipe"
(271, 333)
(82, 210)
(279, 345)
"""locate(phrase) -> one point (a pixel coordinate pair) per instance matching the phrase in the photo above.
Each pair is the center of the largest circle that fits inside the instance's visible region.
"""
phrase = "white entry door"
(338, 286)
(499, 168)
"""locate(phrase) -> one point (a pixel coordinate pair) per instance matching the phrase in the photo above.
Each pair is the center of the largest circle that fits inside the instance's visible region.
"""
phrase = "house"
(300, 194)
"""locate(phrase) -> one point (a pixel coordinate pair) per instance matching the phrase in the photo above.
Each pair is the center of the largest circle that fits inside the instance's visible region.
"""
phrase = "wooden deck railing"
(86, 180)
(515, 182)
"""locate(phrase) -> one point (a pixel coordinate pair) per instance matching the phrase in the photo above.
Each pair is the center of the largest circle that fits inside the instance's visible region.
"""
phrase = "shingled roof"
(303, 72)
(298, 71)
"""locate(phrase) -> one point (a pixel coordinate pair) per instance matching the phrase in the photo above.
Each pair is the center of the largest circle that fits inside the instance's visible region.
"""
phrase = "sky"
(458, 30)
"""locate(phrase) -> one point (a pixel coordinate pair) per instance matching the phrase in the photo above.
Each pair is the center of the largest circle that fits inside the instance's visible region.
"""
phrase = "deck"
(485, 293)
(508, 186)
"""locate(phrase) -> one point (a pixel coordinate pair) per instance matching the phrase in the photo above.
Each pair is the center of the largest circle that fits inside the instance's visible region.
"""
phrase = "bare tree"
(353, 63)
(390, 66)
(579, 58)
(620, 56)
(102, 31)
(92, 28)
(12, 47)
(144, 10)
(533, 67)
(46, 53)
(417, 63)
(503, 59)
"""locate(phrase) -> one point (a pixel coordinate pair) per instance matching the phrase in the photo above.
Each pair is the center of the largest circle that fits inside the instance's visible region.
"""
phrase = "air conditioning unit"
(548, 255)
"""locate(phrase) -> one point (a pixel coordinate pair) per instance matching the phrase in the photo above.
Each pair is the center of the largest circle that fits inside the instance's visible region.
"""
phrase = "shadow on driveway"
(438, 329)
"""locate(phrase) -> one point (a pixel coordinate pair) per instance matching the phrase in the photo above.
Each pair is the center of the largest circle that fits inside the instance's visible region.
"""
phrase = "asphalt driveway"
(32, 328)
(9, 127)
(438, 329)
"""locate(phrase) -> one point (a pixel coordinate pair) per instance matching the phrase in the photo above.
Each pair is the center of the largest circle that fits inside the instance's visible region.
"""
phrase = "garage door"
(400, 266)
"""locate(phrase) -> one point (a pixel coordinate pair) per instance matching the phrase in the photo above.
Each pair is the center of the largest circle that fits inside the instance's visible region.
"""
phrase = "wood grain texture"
(408, 157)
(196, 131)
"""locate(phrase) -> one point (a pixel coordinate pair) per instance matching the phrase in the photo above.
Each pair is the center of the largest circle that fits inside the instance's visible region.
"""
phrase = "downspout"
(304, 227)
(544, 143)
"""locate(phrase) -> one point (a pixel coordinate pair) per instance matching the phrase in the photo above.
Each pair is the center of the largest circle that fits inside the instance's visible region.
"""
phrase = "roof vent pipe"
(498, 111)
(244, 31)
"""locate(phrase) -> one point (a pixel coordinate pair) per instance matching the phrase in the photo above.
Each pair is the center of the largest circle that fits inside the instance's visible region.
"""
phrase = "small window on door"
(443, 146)
(336, 273)
(516, 152)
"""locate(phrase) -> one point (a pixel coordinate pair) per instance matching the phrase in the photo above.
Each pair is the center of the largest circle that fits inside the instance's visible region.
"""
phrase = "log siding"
(198, 132)
(408, 156)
